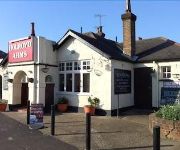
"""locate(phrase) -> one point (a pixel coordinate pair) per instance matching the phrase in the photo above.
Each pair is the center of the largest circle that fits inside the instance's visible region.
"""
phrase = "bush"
(170, 112)
(62, 100)
(94, 101)
(3, 101)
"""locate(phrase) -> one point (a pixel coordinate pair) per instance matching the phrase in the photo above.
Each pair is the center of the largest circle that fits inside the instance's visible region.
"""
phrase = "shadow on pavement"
(133, 112)
(138, 147)
(85, 133)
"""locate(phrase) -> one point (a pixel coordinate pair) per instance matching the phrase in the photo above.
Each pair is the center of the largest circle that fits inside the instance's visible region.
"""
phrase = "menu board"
(122, 81)
(36, 115)
(170, 95)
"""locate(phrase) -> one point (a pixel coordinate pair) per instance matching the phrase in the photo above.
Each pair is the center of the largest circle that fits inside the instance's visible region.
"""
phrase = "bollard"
(52, 119)
(156, 138)
(88, 131)
(28, 112)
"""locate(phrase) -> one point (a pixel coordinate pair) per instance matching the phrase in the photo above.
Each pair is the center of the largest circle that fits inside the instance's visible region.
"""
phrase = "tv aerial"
(100, 16)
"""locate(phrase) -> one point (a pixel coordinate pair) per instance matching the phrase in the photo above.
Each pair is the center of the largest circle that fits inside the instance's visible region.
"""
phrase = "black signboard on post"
(122, 81)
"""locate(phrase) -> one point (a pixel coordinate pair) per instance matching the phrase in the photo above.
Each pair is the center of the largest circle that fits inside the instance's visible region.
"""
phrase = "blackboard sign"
(36, 116)
(122, 81)
(170, 95)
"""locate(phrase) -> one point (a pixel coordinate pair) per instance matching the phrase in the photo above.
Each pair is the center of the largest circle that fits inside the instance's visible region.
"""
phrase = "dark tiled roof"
(107, 46)
(147, 50)
(156, 49)
(4, 56)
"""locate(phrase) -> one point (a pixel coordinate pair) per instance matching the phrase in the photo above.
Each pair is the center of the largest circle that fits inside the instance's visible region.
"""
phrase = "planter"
(89, 109)
(3, 107)
(62, 107)
(169, 129)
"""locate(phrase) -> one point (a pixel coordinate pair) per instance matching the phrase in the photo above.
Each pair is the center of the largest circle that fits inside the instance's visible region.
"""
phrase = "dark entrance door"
(24, 94)
(143, 88)
(49, 96)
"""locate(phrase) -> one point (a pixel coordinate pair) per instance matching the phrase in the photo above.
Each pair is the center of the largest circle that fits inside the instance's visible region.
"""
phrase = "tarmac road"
(16, 136)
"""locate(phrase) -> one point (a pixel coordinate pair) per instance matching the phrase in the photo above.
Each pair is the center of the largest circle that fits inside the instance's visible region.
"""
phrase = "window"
(77, 65)
(166, 72)
(61, 82)
(69, 66)
(69, 82)
(74, 76)
(77, 82)
(86, 65)
(61, 66)
(86, 82)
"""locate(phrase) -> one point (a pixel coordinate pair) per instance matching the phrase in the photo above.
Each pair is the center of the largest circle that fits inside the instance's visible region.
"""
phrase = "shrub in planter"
(169, 112)
(94, 102)
(3, 104)
(62, 104)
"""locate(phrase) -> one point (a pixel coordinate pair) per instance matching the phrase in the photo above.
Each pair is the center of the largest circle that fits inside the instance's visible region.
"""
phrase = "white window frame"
(166, 72)
(73, 72)
(60, 67)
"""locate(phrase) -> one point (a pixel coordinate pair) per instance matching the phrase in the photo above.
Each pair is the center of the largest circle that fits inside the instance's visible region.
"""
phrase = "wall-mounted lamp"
(10, 80)
(30, 71)
(30, 80)
(73, 51)
(45, 69)
(9, 72)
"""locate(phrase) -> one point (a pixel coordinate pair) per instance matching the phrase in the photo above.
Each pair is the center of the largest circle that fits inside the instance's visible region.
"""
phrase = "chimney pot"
(32, 29)
(140, 38)
(100, 32)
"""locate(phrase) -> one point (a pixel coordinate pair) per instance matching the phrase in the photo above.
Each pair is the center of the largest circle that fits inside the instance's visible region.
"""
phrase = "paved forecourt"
(17, 136)
(129, 131)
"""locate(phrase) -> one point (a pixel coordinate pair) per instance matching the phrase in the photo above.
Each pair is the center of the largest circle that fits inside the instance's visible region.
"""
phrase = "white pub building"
(144, 73)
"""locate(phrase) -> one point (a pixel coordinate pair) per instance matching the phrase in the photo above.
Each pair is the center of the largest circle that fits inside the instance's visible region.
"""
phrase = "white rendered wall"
(48, 57)
(100, 77)
(5, 93)
(125, 100)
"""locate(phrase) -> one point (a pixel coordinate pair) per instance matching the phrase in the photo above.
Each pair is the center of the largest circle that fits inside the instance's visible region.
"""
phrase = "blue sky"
(53, 18)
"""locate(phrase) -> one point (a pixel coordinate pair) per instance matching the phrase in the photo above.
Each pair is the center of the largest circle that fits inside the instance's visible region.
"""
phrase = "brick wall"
(129, 36)
(169, 129)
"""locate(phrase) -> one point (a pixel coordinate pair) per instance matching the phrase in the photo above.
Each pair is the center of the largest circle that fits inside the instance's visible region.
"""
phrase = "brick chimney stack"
(129, 37)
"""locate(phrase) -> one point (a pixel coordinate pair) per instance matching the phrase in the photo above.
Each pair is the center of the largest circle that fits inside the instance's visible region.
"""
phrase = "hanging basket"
(30, 80)
(10, 80)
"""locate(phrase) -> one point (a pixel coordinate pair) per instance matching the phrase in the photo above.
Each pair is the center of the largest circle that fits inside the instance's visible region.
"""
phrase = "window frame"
(164, 71)
(73, 72)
